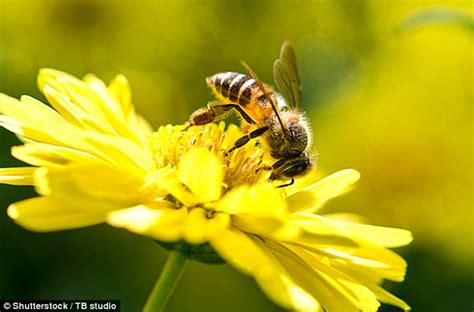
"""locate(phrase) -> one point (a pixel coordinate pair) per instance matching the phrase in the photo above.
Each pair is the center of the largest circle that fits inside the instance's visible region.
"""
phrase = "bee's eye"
(296, 168)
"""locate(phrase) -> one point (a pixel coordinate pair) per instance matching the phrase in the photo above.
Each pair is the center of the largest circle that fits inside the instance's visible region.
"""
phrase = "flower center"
(245, 165)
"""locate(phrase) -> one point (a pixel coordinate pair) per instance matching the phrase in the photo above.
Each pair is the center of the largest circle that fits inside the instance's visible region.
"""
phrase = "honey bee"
(276, 117)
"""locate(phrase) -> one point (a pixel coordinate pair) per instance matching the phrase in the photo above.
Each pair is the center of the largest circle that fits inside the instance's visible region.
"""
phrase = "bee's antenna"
(269, 98)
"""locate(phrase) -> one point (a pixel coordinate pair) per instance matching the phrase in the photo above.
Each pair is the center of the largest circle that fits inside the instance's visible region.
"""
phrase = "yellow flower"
(95, 160)
(90, 153)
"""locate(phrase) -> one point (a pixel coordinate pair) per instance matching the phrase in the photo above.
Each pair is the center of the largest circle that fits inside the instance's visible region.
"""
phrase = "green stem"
(167, 282)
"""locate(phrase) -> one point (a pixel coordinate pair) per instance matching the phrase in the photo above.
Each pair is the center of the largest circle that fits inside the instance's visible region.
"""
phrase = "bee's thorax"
(296, 141)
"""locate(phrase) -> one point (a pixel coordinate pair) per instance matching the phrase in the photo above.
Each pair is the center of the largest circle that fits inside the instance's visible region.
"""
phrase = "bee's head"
(293, 167)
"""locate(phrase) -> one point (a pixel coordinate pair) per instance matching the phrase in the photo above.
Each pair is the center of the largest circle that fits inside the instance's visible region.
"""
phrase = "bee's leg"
(287, 184)
(202, 116)
(276, 174)
(205, 115)
(243, 140)
(224, 108)
(267, 168)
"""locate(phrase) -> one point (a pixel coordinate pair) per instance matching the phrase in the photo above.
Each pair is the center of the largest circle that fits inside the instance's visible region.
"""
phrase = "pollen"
(245, 165)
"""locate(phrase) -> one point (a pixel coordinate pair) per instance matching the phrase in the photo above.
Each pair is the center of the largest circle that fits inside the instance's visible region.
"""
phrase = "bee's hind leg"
(244, 139)
(208, 114)
(202, 116)
(224, 108)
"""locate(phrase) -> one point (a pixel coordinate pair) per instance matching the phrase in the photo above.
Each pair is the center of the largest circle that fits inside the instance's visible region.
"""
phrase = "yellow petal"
(160, 220)
(119, 88)
(74, 113)
(386, 297)
(109, 105)
(194, 229)
(91, 105)
(372, 282)
(217, 223)
(345, 217)
(349, 288)
(35, 121)
(120, 151)
(115, 150)
(37, 131)
(317, 225)
(80, 98)
(305, 238)
(113, 110)
(251, 257)
(31, 118)
(43, 214)
(28, 110)
(334, 290)
(313, 197)
(380, 260)
(167, 179)
(347, 256)
(379, 235)
(79, 92)
(49, 73)
(99, 181)
(17, 176)
(257, 200)
(47, 155)
(269, 227)
(199, 228)
(202, 172)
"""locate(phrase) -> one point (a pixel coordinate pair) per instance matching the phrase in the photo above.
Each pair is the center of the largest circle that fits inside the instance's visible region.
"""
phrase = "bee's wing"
(269, 98)
(285, 74)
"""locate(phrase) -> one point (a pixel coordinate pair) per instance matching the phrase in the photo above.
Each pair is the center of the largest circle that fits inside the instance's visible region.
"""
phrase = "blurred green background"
(388, 86)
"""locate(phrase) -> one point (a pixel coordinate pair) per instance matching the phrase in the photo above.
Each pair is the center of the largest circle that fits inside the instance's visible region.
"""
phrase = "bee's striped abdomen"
(235, 87)
(246, 91)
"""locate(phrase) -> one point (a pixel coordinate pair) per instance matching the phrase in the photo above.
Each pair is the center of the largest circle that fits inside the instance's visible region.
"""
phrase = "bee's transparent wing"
(285, 74)
(269, 98)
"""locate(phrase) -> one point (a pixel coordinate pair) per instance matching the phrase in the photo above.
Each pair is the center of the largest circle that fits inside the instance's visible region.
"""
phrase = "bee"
(275, 117)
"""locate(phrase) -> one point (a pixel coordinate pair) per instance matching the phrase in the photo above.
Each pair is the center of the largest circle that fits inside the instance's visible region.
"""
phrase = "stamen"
(241, 166)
